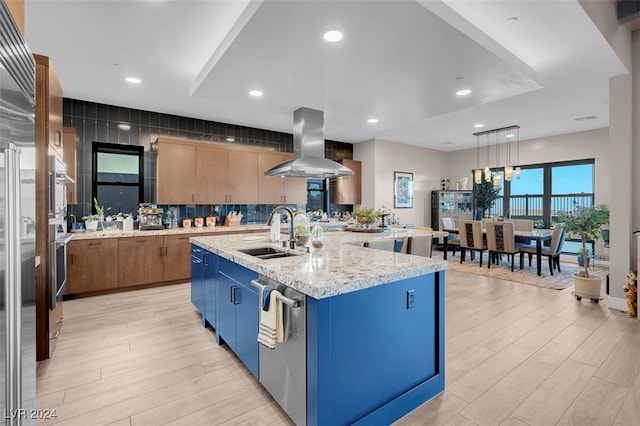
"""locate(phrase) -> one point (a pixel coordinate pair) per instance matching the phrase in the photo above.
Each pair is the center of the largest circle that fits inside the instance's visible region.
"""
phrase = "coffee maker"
(150, 217)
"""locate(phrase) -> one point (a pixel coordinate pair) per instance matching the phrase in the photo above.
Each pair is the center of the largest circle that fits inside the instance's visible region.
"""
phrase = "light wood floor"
(515, 355)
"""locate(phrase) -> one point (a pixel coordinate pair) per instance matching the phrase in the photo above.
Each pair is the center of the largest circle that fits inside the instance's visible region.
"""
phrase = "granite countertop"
(341, 266)
(87, 235)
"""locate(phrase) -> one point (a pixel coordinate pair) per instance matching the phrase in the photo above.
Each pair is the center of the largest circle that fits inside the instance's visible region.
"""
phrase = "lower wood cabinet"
(140, 260)
(177, 258)
(92, 265)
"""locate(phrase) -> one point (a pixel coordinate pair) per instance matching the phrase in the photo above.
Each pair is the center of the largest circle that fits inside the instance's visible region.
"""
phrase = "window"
(117, 177)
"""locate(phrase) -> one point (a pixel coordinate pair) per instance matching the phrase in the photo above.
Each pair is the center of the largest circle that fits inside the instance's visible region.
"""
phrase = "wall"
(99, 122)
(381, 158)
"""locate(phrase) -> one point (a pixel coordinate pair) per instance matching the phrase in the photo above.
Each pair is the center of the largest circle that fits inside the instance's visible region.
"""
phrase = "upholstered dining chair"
(501, 240)
(470, 232)
(387, 244)
(523, 225)
(420, 245)
(453, 240)
(553, 251)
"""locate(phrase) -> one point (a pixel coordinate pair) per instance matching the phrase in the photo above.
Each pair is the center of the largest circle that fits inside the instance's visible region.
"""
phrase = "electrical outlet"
(411, 299)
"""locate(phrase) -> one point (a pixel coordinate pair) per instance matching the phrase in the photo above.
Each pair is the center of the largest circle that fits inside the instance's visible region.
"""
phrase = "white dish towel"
(271, 325)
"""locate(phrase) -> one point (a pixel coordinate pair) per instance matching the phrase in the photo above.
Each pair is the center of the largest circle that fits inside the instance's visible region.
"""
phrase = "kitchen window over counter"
(118, 178)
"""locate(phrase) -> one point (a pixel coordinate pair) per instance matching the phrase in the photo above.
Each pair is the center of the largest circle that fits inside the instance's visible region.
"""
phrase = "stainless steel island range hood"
(308, 149)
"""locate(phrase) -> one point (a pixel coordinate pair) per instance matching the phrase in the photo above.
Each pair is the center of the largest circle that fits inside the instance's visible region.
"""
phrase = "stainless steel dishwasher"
(283, 370)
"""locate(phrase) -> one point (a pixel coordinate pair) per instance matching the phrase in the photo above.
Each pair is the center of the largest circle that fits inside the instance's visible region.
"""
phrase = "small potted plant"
(367, 216)
(92, 220)
(586, 222)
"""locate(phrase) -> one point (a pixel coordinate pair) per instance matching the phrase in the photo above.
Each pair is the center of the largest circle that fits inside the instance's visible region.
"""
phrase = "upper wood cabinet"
(193, 173)
(176, 173)
(16, 7)
(277, 190)
(70, 140)
(348, 189)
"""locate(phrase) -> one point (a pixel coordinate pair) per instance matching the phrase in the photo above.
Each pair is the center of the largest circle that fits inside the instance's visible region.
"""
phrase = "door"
(176, 173)
(177, 256)
(247, 310)
(243, 177)
(227, 291)
(140, 261)
(212, 175)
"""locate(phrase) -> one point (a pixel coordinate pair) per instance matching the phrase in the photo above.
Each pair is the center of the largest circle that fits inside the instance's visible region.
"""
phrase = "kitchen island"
(371, 321)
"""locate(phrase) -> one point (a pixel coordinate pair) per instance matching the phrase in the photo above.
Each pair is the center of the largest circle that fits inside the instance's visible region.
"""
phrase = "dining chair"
(387, 244)
(553, 251)
(470, 232)
(501, 240)
(452, 240)
(420, 245)
(523, 225)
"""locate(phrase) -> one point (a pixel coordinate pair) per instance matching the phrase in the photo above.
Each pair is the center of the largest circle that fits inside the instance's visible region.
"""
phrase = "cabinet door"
(176, 258)
(70, 139)
(348, 189)
(247, 326)
(176, 173)
(270, 188)
(227, 291)
(210, 277)
(243, 177)
(92, 265)
(140, 260)
(212, 175)
(197, 273)
(55, 113)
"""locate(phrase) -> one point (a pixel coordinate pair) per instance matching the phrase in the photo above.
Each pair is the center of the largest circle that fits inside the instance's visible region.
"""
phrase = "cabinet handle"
(165, 250)
(285, 198)
(95, 244)
(193, 197)
(72, 258)
(141, 241)
(236, 298)
(231, 294)
(160, 251)
(58, 143)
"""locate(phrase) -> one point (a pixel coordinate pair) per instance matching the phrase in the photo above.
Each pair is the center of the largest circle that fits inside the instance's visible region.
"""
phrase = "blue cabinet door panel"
(247, 328)
(226, 310)
(210, 287)
(372, 348)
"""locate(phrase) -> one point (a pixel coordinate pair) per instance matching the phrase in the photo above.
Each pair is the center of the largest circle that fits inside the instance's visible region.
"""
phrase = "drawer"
(238, 273)
(138, 242)
(98, 243)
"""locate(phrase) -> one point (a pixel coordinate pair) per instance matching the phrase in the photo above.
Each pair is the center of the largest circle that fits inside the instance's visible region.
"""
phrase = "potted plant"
(92, 220)
(367, 215)
(485, 196)
(585, 222)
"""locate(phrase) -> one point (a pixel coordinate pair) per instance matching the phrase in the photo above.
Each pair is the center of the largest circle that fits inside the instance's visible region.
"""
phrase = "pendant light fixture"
(509, 169)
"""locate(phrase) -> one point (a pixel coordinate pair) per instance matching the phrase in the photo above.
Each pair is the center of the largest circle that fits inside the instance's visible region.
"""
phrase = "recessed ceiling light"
(230, 139)
(513, 19)
(256, 93)
(446, 143)
(477, 126)
(463, 92)
(372, 120)
(124, 126)
(133, 80)
(333, 36)
(510, 135)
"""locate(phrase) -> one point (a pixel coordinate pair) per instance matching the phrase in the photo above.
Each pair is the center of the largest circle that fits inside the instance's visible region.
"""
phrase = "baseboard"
(617, 303)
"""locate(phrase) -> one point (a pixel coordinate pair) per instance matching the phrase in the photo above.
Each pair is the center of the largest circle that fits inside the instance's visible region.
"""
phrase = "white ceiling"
(400, 61)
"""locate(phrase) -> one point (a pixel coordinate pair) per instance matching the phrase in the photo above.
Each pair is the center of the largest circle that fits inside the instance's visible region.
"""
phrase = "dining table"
(538, 235)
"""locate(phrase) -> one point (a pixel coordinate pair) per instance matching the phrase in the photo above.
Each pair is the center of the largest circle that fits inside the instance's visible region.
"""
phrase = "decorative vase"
(589, 288)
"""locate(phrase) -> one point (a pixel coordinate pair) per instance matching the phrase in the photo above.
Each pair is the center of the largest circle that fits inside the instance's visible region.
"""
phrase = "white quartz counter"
(341, 266)
(88, 235)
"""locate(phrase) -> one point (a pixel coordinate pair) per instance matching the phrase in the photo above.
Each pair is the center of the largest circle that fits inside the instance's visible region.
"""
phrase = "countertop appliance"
(150, 218)
(57, 188)
(17, 201)
(283, 370)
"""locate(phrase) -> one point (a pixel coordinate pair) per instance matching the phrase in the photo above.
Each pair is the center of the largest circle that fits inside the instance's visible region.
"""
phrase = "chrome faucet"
(292, 243)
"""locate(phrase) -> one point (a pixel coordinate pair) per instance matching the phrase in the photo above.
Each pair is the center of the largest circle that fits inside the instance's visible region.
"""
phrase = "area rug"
(528, 275)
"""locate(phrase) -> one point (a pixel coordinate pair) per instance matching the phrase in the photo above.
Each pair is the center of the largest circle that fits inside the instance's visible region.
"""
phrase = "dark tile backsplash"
(99, 123)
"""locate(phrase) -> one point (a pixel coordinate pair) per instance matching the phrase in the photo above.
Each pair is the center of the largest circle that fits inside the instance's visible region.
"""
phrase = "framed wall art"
(402, 190)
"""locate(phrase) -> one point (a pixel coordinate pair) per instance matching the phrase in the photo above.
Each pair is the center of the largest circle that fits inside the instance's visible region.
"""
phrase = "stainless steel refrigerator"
(17, 225)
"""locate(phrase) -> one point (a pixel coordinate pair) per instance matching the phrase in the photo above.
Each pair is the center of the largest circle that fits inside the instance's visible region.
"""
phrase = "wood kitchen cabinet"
(70, 141)
(176, 173)
(243, 177)
(212, 175)
(278, 190)
(140, 260)
(348, 189)
(177, 258)
(92, 265)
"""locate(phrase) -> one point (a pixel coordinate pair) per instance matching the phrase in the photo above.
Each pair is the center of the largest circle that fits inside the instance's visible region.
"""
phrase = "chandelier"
(511, 133)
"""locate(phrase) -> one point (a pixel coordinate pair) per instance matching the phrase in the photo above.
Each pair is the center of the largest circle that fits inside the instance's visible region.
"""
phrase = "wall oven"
(58, 240)
(57, 188)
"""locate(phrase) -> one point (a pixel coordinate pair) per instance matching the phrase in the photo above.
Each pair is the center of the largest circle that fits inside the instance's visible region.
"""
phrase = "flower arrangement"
(631, 290)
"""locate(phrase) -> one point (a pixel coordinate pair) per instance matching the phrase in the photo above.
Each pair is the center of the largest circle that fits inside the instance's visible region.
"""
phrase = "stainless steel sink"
(267, 253)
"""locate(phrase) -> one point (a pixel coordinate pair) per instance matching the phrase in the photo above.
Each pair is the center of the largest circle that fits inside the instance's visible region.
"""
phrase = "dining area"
(511, 238)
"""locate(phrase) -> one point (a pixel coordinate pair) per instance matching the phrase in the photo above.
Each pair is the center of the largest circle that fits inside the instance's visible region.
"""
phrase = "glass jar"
(301, 229)
(317, 234)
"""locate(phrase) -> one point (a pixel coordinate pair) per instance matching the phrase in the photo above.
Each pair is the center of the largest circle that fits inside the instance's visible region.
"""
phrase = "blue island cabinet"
(237, 322)
(197, 280)
(375, 354)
